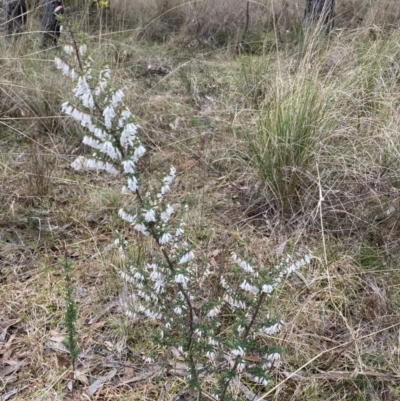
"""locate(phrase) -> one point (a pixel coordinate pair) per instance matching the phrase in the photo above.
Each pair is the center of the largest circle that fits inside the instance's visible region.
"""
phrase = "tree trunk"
(321, 11)
(14, 16)
(50, 22)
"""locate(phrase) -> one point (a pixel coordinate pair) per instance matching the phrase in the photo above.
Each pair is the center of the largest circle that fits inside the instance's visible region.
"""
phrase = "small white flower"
(68, 49)
(181, 279)
(165, 238)
(214, 311)
(99, 133)
(108, 114)
(178, 310)
(267, 289)
(82, 49)
(198, 332)
(117, 97)
(128, 166)
(133, 184)
(126, 216)
(187, 257)
(141, 228)
(213, 342)
(241, 366)
(159, 286)
(210, 355)
(67, 108)
(167, 213)
(79, 163)
(239, 351)
(128, 135)
(139, 152)
(242, 264)
(273, 357)
(131, 315)
(248, 287)
(271, 330)
(125, 114)
(108, 148)
(89, 141)
(179, 231)
(77, 115)
(127, 277)
(260, 380)
(149, 215)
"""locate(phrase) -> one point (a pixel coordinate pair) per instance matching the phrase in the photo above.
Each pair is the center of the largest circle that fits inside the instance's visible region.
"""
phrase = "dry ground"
(341, 339)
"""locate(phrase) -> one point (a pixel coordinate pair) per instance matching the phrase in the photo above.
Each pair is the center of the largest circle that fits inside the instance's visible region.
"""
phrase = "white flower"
(187, 257)
(271, 330)
(241, 366)
(210, 355)
(179, 231)
(86, 120)
(126, 216)
(181, 279)
(79, 163)
(267, 289)
(77, 115)
(259, 380)
(133, 184)
(125, 114)
(131, 315)
(167, 213)
(159, 286)
(272, 357)
(82, 50)
(141, 228)
(212, 341)
(117, 97)
(165, 238)
(128, 166)
(68, 49)
(108, 148)
(198, 332)
(239, 351)
(297, 265)
(92, 164)
(67, 108)
(82, 87)
(138, 276)
(108, 114)
(127, 277)
(128, 135)
(214, 311)
(87, 100)
(249, 288)
(93, 143)
(178, 310)
(99, 133)
(139, 152)
(242, 264)
(62, 65)
(101, 85)
(149, 215)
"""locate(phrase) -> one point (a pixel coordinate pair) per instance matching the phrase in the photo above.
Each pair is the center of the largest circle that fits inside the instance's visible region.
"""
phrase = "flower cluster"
(219, 331)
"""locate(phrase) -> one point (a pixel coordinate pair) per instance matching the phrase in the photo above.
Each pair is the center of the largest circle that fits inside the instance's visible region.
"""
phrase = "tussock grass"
(339, 94)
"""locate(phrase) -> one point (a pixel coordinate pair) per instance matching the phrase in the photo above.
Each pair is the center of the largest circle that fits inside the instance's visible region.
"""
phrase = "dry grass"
(342, 317)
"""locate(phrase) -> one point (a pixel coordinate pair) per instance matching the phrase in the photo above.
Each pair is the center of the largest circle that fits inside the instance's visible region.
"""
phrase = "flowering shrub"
(216, 320)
